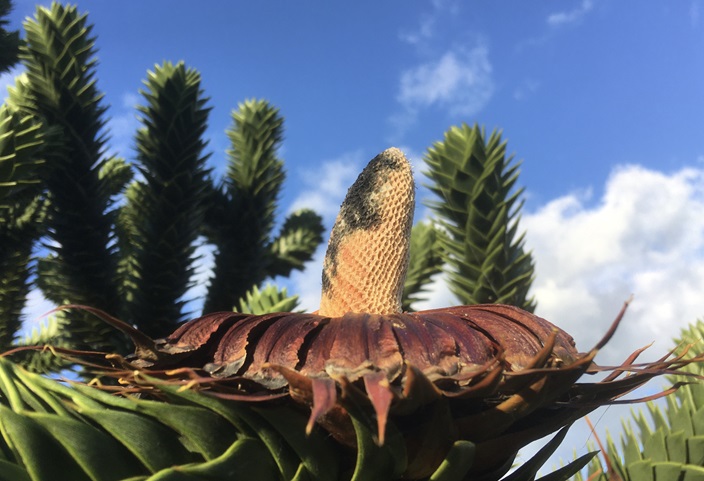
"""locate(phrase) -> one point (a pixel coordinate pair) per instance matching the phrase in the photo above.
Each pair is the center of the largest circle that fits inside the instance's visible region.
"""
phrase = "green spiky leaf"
(479, 210)
(22, 208)
(21, 138)
(666, 443)
(296, 243)
(51, 430)
(50, 333)
(164, 210)
(59, 56)
(425, 262)
(268, 300)
(240, 215)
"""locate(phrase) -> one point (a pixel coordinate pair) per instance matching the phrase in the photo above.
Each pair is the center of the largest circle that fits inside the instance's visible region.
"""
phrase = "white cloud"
(459, 81)
(324, 189)
(200, 280)
(130, 100)
(428, 22)
(425, 31)
(34, 313)
(123, 125)
(645, 237)
(571, 16)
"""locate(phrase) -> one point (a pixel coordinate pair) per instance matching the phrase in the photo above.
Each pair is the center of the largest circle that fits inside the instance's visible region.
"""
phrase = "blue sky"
(602, 100)
(576, 86)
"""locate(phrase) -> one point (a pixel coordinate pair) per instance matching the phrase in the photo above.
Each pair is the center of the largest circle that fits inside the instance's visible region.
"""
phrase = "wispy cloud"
(527, 88)
(427, 26)
(425, 31)
(325, 188)
(570, 16)
(460, 82)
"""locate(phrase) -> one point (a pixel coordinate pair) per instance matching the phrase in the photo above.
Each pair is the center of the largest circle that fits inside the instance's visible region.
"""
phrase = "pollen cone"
(367, 257)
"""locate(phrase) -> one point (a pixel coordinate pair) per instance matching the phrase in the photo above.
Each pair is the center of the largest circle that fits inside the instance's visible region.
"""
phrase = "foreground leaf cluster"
(54, 431)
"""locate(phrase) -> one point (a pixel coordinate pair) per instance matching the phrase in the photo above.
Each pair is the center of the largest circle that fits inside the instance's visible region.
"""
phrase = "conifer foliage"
(478, 208)
(121, 236)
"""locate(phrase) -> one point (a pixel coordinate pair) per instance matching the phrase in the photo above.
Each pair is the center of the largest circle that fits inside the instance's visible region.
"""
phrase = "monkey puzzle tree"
(161, 219)
(21, 208)
(241, 212)
(9, 41)
(478, 209)
(127, 247)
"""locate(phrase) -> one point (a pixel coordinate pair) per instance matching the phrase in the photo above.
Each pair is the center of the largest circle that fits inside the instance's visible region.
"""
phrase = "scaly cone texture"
(425, 386)
(367, 257)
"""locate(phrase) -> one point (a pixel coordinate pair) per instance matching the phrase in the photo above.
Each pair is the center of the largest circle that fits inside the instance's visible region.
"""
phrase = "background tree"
(241, 211)
(161, 220)
(425, 262)
(478, 211)
(129, 251)
(21, 208)
(80, 179)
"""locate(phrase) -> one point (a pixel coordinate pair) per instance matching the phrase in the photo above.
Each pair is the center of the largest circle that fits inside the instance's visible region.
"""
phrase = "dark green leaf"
(38, 451)
(80, 441)
(164, 211)
(270, 299)
(528, 470)
(457, 463)
(242, 461)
